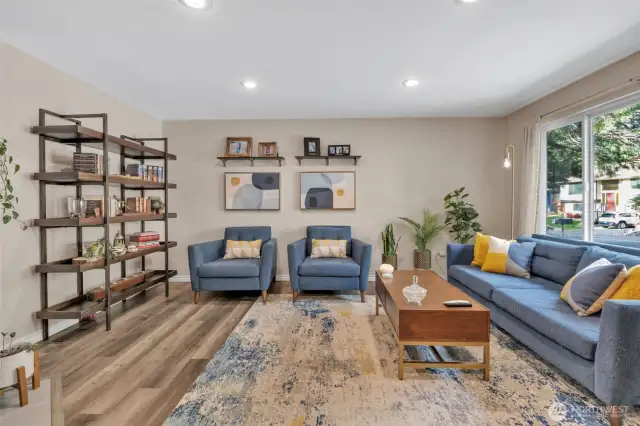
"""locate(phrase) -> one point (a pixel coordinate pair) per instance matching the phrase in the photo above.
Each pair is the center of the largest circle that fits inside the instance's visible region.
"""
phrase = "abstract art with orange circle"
(328, 191)
(252, 191)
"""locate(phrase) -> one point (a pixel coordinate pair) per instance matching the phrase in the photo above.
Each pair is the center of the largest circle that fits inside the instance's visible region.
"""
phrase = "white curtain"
(530, 188)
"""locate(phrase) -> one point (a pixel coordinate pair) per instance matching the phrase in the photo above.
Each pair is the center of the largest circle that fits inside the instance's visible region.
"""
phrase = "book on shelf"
(88, 162)
(138, 205)
(144, 238)
(146, 172)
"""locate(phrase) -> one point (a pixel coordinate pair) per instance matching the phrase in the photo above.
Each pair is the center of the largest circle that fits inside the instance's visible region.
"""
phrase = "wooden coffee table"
(432, 323)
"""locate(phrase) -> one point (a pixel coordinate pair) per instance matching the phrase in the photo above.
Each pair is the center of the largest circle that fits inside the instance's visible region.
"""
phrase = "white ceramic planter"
(8, 365)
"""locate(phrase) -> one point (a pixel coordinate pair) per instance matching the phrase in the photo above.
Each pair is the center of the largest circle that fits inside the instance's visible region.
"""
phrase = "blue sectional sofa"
(307, 273)
(211, 272)
(601, 352)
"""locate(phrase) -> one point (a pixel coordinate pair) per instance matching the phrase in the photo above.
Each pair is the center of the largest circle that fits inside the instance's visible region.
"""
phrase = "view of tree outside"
(617, 178)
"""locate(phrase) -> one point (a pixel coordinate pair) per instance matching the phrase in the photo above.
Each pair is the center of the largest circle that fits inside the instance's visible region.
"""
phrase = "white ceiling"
(325, 58)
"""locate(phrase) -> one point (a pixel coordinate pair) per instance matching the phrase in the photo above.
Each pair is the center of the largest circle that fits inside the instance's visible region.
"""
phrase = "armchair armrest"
(268, 263)
(296, 251)
(199, 254)
(617, 379)
(361, 253)
(459, 254)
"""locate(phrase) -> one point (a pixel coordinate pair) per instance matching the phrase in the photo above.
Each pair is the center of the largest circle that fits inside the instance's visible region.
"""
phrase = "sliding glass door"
(592, 175)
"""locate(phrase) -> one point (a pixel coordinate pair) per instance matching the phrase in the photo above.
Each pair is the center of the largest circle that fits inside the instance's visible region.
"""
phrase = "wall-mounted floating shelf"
(252, 159)
(326, 158)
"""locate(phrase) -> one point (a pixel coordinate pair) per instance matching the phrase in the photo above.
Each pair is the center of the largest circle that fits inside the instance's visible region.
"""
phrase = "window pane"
(564, 181)
(617, 174)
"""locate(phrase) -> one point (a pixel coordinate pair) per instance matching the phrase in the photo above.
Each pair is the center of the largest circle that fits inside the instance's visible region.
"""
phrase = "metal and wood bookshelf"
(79, 136)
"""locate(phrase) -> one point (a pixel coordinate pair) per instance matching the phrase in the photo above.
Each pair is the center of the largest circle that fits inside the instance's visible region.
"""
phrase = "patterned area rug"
(331, 361)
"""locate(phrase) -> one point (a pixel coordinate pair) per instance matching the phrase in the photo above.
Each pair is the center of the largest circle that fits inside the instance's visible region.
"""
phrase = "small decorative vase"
(414, 293)
(386, 270)
(156, 205)
(390, 260)
(422, 259)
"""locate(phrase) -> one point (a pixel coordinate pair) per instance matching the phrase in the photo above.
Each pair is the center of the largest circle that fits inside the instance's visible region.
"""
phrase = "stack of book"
(87, 162)
(146, 239)
(138, 205)
(146, 172)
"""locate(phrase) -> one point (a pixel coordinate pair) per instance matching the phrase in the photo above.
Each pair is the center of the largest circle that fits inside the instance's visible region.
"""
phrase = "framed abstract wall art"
(328, 190)
(252, 191)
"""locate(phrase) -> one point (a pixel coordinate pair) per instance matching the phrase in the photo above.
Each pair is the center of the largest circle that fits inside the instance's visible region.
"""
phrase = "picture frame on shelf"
(267, 149)
(339, 150)
(239, 147)
(312, 147)
(346, 149)
(331, 150)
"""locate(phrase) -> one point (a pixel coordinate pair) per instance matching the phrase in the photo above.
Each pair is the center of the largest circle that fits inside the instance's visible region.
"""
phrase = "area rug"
(331, 361)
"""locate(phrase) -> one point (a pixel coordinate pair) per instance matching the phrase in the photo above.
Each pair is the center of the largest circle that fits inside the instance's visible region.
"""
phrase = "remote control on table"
(458, 304)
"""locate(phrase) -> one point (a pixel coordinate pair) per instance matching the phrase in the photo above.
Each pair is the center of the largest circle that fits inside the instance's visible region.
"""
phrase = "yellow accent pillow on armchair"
(630, 288)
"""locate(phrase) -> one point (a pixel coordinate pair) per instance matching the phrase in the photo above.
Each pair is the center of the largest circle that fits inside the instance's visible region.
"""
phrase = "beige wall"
(607, 78)
(407, 165)
(27, 84)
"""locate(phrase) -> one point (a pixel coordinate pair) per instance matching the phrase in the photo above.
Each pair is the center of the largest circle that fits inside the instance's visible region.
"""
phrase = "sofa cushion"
(594, 253)
(555, 261)
(329, 267)
(544, 311)
(484, 283)
(230, 268)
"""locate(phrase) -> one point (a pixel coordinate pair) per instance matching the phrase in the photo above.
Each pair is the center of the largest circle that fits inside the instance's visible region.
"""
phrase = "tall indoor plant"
(390, 246)
(8, 199)
(460, 216)
(424, 233)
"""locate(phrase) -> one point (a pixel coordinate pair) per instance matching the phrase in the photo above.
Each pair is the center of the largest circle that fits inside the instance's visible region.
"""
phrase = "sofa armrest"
(618, 353)
(268, 262)
(296, 251)
(199, 254)
(361, 253)
(459, 254)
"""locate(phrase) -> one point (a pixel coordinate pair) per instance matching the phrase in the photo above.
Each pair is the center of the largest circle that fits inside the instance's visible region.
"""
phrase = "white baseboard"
(280, 277)
(36, 336)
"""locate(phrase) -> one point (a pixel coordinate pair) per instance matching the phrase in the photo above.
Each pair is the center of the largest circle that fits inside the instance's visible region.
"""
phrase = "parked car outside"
(618, 220)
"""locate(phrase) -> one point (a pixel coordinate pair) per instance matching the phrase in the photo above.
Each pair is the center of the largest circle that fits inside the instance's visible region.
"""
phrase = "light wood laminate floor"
(136, 373)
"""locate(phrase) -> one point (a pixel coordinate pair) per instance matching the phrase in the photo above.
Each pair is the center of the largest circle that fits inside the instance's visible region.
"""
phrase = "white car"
(618, 220)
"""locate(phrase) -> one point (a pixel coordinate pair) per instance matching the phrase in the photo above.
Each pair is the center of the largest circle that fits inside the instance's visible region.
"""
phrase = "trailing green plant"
(426, 231)
(460, 216)
(389, 242)
(8, 199)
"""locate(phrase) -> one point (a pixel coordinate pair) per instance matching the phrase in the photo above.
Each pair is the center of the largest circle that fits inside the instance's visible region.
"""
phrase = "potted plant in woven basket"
(390, 247)
(424, 233)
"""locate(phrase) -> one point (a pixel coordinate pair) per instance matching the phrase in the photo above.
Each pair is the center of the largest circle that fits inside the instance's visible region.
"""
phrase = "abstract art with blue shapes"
(328, 191)
(252, 191)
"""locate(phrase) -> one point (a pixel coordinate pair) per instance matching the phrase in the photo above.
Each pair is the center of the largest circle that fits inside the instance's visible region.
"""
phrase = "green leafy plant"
(389, 242)
(8, 199)
(460, 216)
(426, 231)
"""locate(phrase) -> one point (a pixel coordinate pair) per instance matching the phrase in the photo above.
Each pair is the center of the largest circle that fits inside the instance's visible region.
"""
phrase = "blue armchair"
(211, 272)
(351, 273)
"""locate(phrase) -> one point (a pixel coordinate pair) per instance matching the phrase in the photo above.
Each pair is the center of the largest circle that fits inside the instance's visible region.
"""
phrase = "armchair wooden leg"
(362, 296)
(35, 379)
(196, 297)
(22, 386)
(295, 295)
(264, 296)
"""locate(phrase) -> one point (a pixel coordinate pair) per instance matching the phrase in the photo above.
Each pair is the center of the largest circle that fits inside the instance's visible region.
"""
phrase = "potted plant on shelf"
(424, 232)
(390, 247)
(460, 216)
(16, 364)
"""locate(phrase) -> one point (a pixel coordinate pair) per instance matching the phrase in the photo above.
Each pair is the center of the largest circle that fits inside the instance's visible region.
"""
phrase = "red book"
(143, 238)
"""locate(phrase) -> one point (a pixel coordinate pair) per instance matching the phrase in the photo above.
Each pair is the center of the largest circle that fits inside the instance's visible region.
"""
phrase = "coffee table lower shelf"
(485, 365)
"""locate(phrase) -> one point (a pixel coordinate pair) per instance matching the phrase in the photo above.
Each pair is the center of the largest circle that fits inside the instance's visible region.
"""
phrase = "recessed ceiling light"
(466, 1)
(196, 4)
(249, 84)
(412, 82)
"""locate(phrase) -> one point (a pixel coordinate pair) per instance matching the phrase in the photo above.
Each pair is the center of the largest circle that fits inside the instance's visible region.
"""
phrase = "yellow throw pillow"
(329, 248)
(630, 288)
(509, 257)
(480, 249)
(243, 249)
